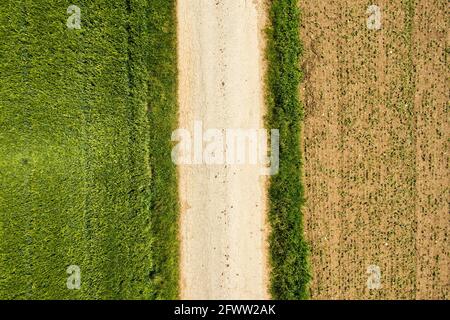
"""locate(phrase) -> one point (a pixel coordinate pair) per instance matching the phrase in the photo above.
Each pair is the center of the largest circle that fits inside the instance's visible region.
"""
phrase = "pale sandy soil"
(223, 236)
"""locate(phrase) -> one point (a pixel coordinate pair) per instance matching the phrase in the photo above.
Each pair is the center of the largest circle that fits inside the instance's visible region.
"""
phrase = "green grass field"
(86, 177)
(288, 249)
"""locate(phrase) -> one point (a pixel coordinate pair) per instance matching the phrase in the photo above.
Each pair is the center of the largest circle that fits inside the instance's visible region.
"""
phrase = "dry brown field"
(375, 142)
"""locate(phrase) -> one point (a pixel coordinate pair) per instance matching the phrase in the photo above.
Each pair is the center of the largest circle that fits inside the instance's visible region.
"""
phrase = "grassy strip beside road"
(290, 273)
(163, 119)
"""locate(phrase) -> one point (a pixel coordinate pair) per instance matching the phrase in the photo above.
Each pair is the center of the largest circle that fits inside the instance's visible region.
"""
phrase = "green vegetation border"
(290, 269)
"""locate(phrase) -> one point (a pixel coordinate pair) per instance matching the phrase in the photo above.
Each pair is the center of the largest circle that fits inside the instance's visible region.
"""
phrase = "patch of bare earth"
(430, 41)
(375, 147)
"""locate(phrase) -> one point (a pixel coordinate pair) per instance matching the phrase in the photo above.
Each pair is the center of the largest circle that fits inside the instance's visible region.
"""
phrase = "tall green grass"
(163, 119)
(290, 273)
(85, 171)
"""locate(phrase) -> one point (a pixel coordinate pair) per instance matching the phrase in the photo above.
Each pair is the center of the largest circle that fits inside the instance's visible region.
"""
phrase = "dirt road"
(222, 206)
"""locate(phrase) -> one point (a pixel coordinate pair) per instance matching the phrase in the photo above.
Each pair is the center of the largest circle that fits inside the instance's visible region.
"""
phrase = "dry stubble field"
(375, 147)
